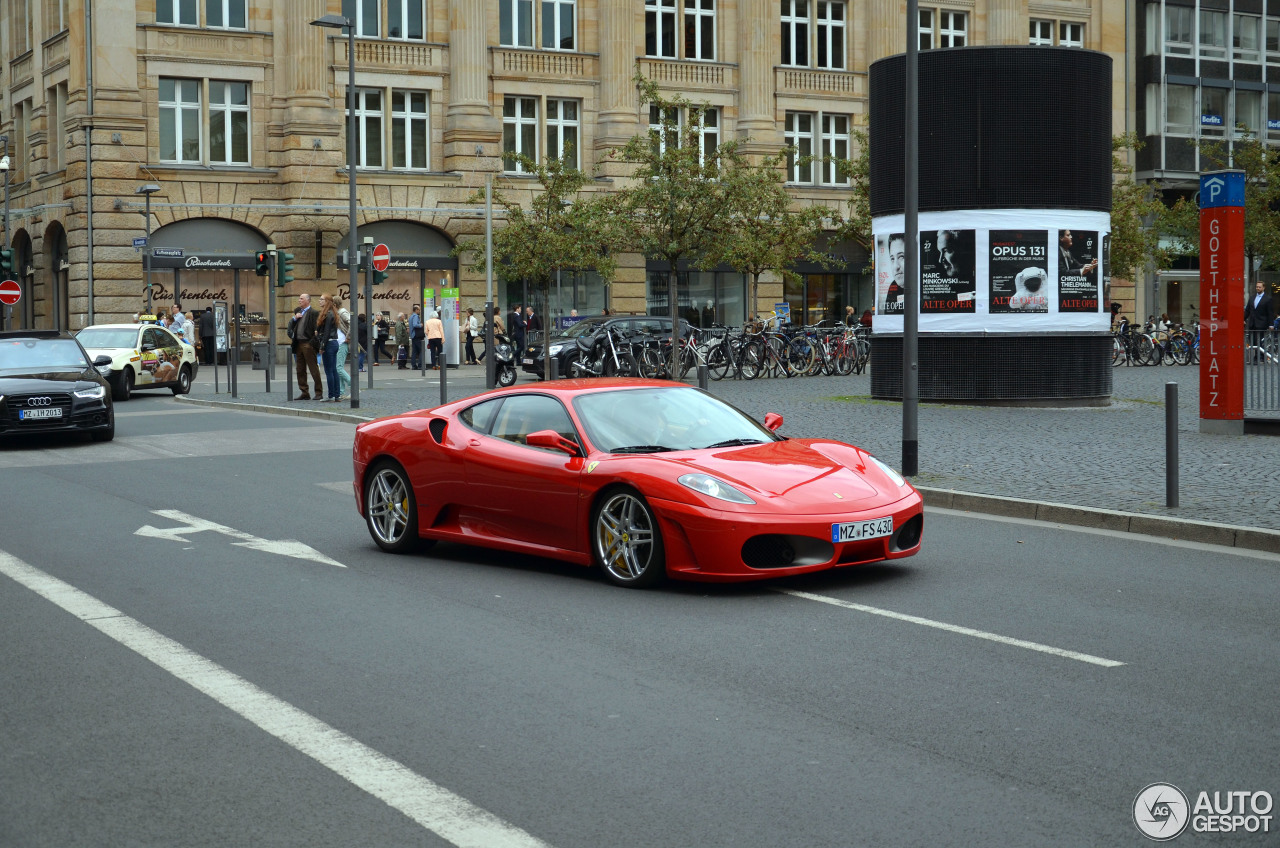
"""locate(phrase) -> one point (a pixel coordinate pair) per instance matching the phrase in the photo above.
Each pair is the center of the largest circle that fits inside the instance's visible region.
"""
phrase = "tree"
(762, 231)
(674, 209)
(1136, 209)
(562, 228)
(856, 225)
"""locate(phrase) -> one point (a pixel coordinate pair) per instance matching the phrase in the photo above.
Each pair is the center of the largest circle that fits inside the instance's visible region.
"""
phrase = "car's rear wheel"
(390, 509)
(626, 540)
(184, 381)
(122, 385)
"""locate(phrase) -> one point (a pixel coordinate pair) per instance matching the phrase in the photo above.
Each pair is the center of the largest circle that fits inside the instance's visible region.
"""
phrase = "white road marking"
(342, 487)
(284, 547)
(953, 628)
(450, 816)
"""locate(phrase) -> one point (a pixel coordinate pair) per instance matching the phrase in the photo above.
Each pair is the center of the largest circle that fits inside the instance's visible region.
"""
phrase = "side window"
(151, 336)
(525, 414)
(480, 416)
(165, 339)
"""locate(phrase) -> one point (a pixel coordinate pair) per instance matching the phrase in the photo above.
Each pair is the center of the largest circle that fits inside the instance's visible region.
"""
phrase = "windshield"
(41, 355)
(585, 327)
(108, 337)
(664, 419)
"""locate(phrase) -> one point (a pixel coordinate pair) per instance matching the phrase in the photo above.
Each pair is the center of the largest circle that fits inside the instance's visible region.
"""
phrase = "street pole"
(490, 364)
(911, 196)
(351, 212)
(272, 270)
(148, 213)
(4, 152)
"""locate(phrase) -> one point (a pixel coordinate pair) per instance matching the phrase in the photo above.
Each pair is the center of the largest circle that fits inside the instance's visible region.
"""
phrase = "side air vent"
(437, 427)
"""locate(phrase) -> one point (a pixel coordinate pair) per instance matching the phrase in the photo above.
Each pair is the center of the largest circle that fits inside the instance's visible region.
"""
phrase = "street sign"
(10, 292)
(140, 241)
(381, 257)
(171, 252)
(1222, 278)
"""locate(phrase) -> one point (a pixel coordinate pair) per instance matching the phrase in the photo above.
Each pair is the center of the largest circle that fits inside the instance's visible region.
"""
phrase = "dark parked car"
(564, 347)
(48, 384)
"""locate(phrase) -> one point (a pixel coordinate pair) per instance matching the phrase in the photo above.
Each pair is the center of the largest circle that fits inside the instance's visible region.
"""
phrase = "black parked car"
(564, 347)
(48, 385)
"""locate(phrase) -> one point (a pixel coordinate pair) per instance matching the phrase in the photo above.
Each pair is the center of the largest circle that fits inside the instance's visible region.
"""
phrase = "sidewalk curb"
(1106, 519)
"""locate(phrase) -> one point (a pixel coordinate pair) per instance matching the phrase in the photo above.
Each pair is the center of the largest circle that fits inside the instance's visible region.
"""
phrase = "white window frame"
(417, 129)
(1259, 123)
(795, 32)
(174, 10)
(1212, 40)
(697, 13)
(1251, 55)
(226, 7)
(518, 122)
(795, 136)
(833, 143)
(655, 122)
(556, 8)
(558, 125)
(363, 114)
(708, 133)
(1070, 34)
(1191, 129)
(1041, 33)
(401, 9)
(176, 110)
(1180, 48)
(58, 7)
(513, 9)
(363, 30)
(825, 32)
(656, 11)
(953, 28)
(924, 28)
(227, 108)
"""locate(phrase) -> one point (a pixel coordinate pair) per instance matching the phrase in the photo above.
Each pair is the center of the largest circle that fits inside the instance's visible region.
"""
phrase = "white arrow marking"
(284, 547)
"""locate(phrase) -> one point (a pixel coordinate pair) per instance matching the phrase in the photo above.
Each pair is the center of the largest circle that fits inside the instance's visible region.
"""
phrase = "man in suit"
(1257, 314)
(515, 327)
(208, 336)
(1067, 261)
(304, 331)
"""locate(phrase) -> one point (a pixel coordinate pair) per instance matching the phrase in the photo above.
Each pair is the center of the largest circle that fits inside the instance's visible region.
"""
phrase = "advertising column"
(1222, 299)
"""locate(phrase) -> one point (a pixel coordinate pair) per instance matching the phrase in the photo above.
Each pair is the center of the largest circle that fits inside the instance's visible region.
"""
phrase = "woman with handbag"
(472, 330)
(402, 342)
(384, 332)
(326, 344)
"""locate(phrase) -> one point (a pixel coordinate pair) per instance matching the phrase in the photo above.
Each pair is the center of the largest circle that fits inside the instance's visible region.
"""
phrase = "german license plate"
(857, 531)
(528, 360)
(28, 414)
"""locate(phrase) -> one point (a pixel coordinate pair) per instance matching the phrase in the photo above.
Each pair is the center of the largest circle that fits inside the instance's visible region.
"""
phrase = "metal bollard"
(1171, 444)
(288, 374)
(703, 377)
(555, 368)
(444, 382)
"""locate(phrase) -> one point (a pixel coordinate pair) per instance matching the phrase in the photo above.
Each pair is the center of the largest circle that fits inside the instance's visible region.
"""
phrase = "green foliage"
(1136, 215)
(856, 225)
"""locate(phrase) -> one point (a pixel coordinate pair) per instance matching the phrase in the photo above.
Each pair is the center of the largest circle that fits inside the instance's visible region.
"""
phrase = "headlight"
(711, 487)
(555, 349)
(104, 370)
(92, 393)
(893, 475)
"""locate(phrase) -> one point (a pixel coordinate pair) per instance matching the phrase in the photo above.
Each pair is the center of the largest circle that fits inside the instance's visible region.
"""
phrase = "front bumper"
(712, 545)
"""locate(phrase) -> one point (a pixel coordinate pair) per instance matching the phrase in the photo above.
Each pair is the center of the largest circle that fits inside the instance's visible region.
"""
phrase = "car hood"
(16, 381)
(808, 476)
(109, 351)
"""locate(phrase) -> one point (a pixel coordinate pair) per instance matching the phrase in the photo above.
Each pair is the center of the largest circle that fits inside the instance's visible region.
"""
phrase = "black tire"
(626, 541)
(184, 381)
(390, 509)
(717, 363)
(506, 376)
(122, 385)
(625, 367)
(109, 432)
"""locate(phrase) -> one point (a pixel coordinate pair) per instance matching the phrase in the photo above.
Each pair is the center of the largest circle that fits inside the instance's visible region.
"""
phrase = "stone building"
(234, 110)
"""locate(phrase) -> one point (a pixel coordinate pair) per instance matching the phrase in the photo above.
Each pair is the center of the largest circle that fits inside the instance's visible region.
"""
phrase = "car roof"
(34, 334)
(118, 326)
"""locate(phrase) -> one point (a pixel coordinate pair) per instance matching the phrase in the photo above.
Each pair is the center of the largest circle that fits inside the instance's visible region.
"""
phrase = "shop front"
(821, 292)
(702, 297)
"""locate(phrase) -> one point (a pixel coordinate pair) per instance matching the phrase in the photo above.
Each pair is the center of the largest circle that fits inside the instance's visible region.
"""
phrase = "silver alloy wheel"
(624, 537)
(388, 506)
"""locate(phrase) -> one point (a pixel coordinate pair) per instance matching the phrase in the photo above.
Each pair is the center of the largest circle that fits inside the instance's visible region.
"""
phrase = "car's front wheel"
(184, 381)
(122, 385)
(626, 540)
(390, 509)
(107, 433)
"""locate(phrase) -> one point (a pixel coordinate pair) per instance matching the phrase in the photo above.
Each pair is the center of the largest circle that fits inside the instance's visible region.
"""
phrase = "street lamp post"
(4, 166)
(343, 22)
(148, 190)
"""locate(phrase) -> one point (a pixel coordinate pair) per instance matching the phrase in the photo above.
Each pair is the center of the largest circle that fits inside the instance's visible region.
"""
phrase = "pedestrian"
(435, 339)
(208, 336)
(326, 343)
(304, 350)
(498, 330)
(515, 323)
(383, 329)
(532, 324)
(1257, 316)
(344, 350)
(189, 330)
(362, 339)
(402, 342)
(472, 330)
(416, 335)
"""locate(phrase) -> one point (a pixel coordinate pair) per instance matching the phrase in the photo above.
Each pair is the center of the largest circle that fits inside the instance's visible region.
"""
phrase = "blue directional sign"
(140, 241)
(1221, 188)
(171, 252)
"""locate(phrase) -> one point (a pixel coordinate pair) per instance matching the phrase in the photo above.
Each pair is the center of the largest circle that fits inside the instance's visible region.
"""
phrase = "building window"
(1180, 110)
(1248, 119)
(660, 28)
(368, 127)
(799, 137)
(55, 16)
(406, 20)
(1178, 30)
(1213, 34)
(229, 123)
(953, 28)
(176, 12)
(562, 130)
(1273, 41)
(227, 14)
(1273, 115)
(795, 33)
(708, 135)
(671, 137)
(515, 23)
(365, 13)
(925, 29)
(1213, 111)
(1244, 38)
(835, 146)
(57, 110)
(179, 120)
(830, 33)
(700, 29)
(1041, 34)
(218, 14)
(21, 146)
(558, 22)
(708, 131)
(1070, 35)
(410, 130)
(519, 131)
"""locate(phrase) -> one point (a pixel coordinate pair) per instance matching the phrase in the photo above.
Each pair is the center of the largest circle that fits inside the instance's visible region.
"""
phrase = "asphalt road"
(1014, 684)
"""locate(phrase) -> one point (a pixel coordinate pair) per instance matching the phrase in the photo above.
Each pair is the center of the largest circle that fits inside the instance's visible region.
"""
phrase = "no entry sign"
(381, 257)
(10, 292)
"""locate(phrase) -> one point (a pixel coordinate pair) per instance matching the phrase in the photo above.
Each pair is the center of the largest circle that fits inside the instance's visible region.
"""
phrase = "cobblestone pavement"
(1103, 457)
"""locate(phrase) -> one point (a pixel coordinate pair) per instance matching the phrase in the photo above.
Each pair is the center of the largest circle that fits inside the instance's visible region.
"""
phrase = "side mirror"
(101, 359)
(772, 421)
(553, 440)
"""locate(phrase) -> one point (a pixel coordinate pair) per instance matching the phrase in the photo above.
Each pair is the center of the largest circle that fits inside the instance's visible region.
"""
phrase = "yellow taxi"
(143, 356)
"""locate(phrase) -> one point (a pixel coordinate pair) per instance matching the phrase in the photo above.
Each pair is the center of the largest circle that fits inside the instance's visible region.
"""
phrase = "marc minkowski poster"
(1079, 258)
(946, 271)
(1019, 271)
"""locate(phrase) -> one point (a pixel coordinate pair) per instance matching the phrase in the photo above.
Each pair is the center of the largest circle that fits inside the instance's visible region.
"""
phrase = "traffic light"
(379, 277)
(263, 266)
(6, 259)
(283, 269)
